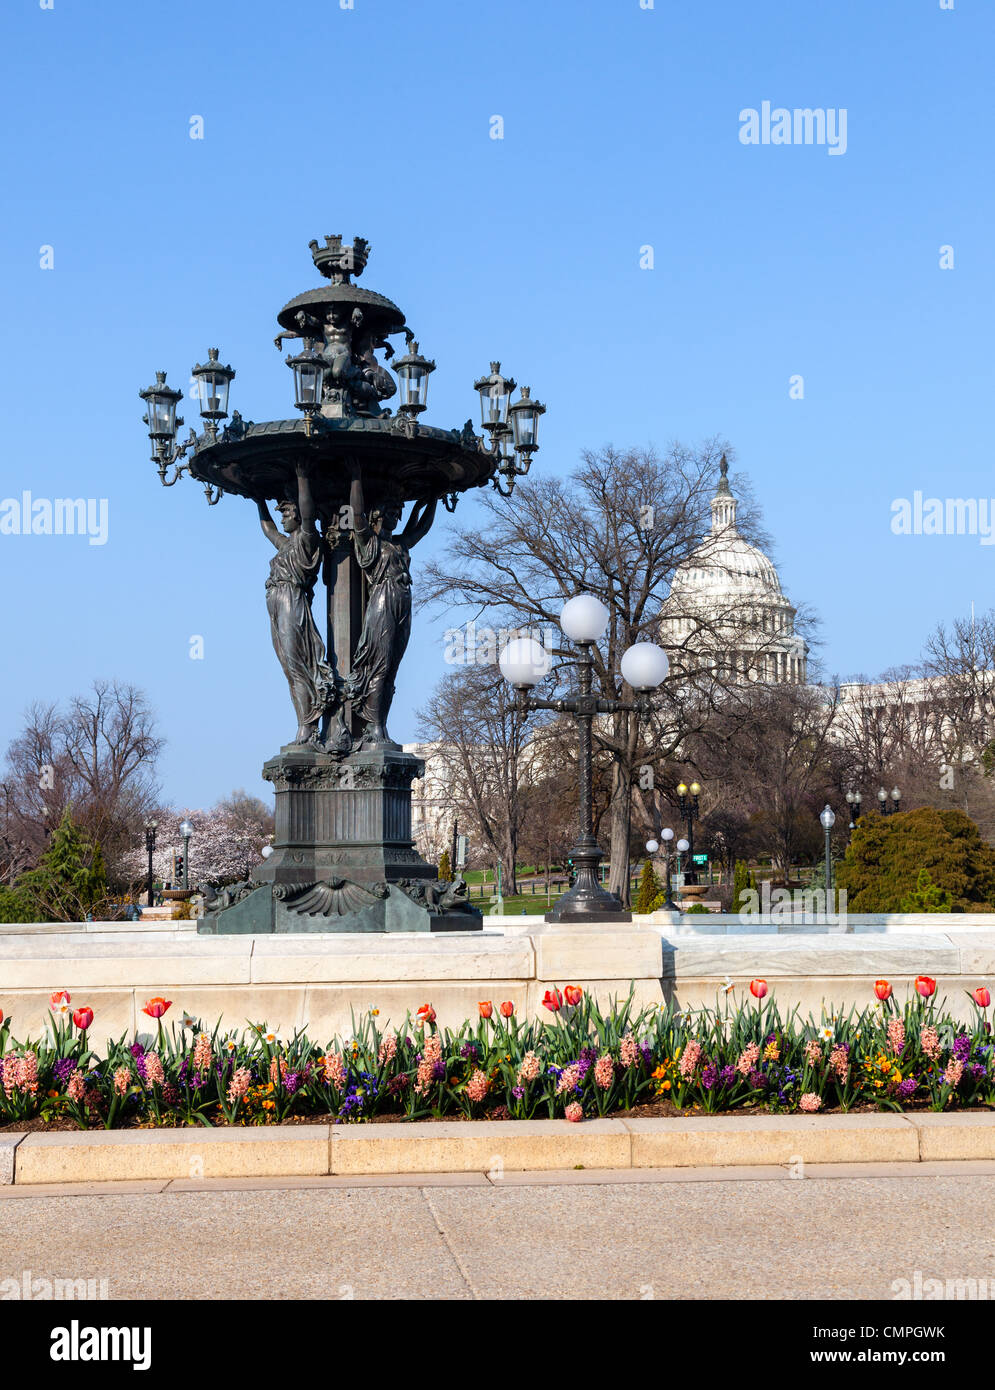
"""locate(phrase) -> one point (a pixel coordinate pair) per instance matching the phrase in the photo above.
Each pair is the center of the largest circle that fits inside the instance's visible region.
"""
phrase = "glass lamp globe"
(695, 788)
(896, 795)
(524, 661)
(827, 818)
(584, 618)
(682, 846)
(882, 796)
(645, 666)
(652, 846)
(186, 829)
(266, 851)
(667, 834)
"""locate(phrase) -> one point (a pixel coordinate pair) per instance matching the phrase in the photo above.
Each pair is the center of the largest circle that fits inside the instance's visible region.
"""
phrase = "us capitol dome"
(726, 609)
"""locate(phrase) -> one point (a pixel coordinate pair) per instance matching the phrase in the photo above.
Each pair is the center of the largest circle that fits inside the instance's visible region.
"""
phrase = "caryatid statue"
(293, 570)
(385, 560)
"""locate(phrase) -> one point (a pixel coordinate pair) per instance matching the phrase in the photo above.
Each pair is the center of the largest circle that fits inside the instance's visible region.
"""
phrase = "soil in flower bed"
(652, 1110)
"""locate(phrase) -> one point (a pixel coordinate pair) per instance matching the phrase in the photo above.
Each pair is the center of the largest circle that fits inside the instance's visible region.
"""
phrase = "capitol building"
(726, 609)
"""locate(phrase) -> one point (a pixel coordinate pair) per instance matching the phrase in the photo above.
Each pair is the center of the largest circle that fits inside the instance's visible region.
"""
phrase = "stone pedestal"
(343, 858)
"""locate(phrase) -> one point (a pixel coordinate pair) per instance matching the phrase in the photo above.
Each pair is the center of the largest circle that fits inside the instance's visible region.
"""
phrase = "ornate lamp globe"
(524, 662)
(695, 788)
(186, 829)
(682, 846)
(413, 372)
(495, 394)
(827, 818)
(652, 846)
(525, 421)
(213, 381)
(161, 402)
(645, 666)
(266, 851)
(584, 618)
(667, 834)
(682, 789)
(309, 377)
(896, 794)
(882, 795)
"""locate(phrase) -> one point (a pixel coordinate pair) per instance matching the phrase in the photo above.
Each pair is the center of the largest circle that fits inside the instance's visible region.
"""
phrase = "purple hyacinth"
(709, 1076)
(469, 1050)
(727, 1075)
(64, 1069)
(907, 1087)
(757, 1078)
(962, 1047)
(291, 1082)
(518, 1092)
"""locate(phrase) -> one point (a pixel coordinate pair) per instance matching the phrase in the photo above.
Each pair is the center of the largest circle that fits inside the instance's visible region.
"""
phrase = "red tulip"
(552, 1000)
(83, 1018)
(507, 1009)
(573, 995)
(426, 1014)
(882, 989)
(486, 1008)
(1, 1015)
(758, 988)
(926, 985)
(982, 997)
(60, 997)
(155, 1008)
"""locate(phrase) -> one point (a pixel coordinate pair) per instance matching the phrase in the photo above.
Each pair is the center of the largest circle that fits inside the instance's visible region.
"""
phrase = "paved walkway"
(840, 1231)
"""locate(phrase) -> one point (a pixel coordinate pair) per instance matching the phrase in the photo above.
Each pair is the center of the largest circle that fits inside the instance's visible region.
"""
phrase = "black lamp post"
(652, 847)
(853, 800)
(827, 819)
(896, 796)
(523, 663)
(151, 826)
(186, 830)
(688, 803)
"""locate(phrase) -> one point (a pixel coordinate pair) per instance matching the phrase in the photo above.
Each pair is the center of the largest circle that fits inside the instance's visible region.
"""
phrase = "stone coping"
(494, 1147)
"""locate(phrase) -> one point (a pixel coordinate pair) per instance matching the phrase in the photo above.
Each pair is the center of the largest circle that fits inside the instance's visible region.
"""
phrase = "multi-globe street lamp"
(853, 800)
(151, 826)
(687, 797)
(524, 662)
(827, 819)
(896, 797)
(652, 847)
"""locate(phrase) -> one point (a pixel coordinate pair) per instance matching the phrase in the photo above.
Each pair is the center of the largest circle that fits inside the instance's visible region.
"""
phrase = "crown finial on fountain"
(337, 262)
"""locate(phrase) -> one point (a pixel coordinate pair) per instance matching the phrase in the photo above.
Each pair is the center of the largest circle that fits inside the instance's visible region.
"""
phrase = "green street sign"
(699, 858)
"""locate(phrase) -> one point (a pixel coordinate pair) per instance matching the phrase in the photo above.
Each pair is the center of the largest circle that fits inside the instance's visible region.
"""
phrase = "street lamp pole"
(896, 796)
(688, 800)
(828, 820)
(186, 830)
(653, 846)
(523, 663)
(150, 828)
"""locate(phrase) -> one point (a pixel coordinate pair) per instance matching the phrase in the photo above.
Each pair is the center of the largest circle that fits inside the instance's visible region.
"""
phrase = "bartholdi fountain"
(343, 858)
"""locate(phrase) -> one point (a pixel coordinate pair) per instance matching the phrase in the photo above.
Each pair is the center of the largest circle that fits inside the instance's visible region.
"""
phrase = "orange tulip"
(573, 995)
(982, 997)
(552, 1000)
(882, 989)
(426, 1014)
(83, 1018)
(486, 1008)
(58, 999)
(758, 988)
(507, 1009)
(155, 1008)
(926, 985)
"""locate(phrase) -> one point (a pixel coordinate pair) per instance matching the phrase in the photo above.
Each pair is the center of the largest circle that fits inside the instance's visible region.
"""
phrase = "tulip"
(155, 1008)
(982, 997)
(486, 1008)
(426, 1014)
(573, 995)
(507, 1009)
(83, 1018)
(1, 1015)
(882, 989)
(59, 1000)
(552, 1000)
(758, 988)
(926, 985)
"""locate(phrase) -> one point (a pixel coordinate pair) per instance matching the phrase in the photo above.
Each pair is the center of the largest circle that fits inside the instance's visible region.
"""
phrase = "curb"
(491, 1146)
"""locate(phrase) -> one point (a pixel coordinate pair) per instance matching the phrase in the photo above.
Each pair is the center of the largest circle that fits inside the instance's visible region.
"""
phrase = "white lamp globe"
(524, 661)
(667, 834)
(266, 851)
(645, 665)
(828, 818)
(652, 846)
(584, 618)
(682, 846)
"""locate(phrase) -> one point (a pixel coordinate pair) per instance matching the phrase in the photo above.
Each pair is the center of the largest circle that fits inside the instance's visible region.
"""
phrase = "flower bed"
(576, 1063)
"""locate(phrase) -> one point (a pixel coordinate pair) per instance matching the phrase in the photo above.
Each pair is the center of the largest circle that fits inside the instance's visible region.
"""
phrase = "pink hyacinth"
(27, 1074)
(476, 1087)
(896, 1035)
(813, 1052)
(628, 1051)
(9, 1068)
(76, 1088)
(954, 1072)
(604, 1071)
(388, 1050)
(810, 1102)
(277, 1070)
(929, 1041)
(689, 1059)
(239, 1085)
(574, 1112)
(569, 1078)
(154, 1074)
(839, 1062)
(530, 1069)
(122, 1079)
(202, 1056)
(748, 1059)
(335, 1070)
(430, 1059)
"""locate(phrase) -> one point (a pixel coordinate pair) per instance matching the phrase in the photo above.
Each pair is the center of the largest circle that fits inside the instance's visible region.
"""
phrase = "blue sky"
(621, 131)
